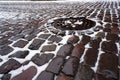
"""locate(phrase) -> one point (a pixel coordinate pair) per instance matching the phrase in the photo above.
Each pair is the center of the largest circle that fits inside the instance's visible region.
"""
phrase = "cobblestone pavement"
(30, 49)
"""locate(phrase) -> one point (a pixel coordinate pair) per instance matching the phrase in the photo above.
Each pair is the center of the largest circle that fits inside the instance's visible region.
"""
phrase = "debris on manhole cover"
(72, 23)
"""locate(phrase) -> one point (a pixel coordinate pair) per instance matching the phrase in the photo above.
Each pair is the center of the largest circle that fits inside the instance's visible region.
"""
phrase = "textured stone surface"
(112, 37)
(55, 38)
(30, 37)
(109, 47)
(101, 77)
(51, 47)
(42, 59)
(20, 54)
(4, 42)
(44, 36)
(74, 39)
(6, 77)
(65, 50)
(27, 74)
(27, 31)
(9, 65)
(55, 65)
(62, 33)
(36, 44)
(85, 39)
(84, 73)
(19, 36)
(21, 22)
(5, 50)
(45, 76)
(78, 51)
(62, 76)
(115, 30)
(90, 57)
(71, 66)
(95, 43)
(1, 60)
(20, 43)
(107, 29)
(100, 35)
(108, 68)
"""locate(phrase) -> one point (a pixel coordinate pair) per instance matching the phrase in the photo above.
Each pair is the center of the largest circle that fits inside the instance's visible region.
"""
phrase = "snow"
(25, 15)
(90, 0)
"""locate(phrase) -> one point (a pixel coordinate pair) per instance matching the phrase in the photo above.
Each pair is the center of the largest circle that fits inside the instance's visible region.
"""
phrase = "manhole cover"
(71, 23)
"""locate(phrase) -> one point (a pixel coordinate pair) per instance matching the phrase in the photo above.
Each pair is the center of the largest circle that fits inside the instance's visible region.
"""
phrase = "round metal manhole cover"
(71, 23)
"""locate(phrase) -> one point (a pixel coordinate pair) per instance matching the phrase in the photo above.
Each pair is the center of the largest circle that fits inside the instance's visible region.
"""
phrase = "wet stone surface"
(42, 59)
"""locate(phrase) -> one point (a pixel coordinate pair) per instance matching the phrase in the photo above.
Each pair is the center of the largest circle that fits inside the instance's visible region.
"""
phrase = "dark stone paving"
(84, 73)
(55, 65)
(65, 50)
(49, 48)
(91, 57)
(85, 39)
(20, 43)
(27, 74)
(44, 36)
(20, 54)
(6, 77)
(70, 67)
(74, 39)
(55, 38)
(109, 47)
(5, 50)
(62, 76)
(36, 44)
(78, 51)
(45, 76)
(35, 41)
(106, 68)
(42, 59)
(9, 65)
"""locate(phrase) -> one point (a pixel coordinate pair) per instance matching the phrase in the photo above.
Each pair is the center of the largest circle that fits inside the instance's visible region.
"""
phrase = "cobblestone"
(33, 40)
